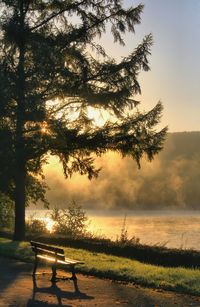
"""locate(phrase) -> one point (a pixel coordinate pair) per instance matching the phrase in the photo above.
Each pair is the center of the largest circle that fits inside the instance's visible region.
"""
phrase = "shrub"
(36, 227)
(7, 214)
(71, 221)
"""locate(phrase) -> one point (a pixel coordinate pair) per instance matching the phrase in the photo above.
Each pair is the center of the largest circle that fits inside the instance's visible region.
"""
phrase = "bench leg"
(53, 278)
(73, 274)
(35, 266)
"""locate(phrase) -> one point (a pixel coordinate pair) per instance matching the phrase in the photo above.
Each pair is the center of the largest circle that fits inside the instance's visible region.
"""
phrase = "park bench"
(54, 256)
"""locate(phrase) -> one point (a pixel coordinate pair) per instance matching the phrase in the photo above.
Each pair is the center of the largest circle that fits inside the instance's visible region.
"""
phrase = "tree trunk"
(20, 169)
(20, 162)
(20, 199)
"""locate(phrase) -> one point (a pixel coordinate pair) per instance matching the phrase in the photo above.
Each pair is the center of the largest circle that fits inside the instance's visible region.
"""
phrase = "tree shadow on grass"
(58, 293)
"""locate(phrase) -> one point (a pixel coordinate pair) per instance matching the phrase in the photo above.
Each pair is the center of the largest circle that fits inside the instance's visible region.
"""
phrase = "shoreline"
(172, 231)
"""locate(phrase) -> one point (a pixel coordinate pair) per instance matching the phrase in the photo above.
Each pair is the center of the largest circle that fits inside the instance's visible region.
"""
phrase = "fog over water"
(173, 229)
(177, 230)
(161, 200)
(170, 182)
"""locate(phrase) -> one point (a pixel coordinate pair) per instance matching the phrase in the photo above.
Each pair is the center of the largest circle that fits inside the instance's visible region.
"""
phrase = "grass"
(176, 279)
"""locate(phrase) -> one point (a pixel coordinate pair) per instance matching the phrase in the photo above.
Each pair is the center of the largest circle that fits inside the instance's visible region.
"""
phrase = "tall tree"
(50, 76)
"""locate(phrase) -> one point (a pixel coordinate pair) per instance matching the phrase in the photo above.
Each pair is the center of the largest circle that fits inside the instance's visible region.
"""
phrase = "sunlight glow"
(49, 223)
(44, 128)
(99, 116)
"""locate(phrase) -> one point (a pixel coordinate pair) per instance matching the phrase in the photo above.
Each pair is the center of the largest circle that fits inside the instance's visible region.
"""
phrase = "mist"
(170, 181)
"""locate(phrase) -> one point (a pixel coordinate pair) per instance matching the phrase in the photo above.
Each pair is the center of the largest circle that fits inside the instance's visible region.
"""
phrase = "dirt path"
(17, 289)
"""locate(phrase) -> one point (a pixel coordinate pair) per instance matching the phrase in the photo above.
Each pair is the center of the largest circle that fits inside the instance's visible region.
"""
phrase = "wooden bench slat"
(43, 257)
(48, 247)
(39, 251)
(50, 259)
(73, 261)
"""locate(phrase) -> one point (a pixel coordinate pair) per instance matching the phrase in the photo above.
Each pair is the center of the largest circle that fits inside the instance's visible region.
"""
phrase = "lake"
(179, 229)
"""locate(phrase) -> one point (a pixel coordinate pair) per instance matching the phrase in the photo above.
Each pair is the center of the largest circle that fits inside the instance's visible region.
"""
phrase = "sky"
(175, 65)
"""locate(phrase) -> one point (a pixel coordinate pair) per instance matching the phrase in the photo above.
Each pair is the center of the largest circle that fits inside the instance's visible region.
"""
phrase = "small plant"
(183, 240)
(70, 221)
(124, 239)
(124, 232)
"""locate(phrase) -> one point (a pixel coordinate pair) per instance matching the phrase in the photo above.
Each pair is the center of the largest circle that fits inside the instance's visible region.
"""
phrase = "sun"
(99, 116)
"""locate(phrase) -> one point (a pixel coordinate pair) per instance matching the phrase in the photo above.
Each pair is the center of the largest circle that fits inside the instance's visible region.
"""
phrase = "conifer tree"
(49, 76)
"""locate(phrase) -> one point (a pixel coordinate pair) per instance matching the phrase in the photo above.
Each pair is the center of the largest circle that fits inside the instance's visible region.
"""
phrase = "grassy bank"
(119, 268)
(156, 255)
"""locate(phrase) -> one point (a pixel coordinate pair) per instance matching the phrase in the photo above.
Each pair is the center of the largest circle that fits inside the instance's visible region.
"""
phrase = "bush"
(7, 214)
(36, 227)
(71, 221)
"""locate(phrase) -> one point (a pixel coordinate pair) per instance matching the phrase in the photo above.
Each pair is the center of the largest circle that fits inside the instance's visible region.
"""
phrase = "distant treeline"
(171, 181)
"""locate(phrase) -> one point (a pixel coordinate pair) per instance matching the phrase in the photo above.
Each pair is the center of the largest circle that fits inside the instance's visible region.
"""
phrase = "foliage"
(71, 221)
(118, 268)
(6, 212)
(35, 227)
(35, 183)
(49, 78)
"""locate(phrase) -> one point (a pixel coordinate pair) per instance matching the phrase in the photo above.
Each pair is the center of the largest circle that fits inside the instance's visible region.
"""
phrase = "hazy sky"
(175, 60)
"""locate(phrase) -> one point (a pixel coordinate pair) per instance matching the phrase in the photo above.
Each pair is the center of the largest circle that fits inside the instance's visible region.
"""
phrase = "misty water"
(172, 229)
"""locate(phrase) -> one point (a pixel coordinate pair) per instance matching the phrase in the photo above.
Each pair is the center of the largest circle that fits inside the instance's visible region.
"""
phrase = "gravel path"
(17, 289)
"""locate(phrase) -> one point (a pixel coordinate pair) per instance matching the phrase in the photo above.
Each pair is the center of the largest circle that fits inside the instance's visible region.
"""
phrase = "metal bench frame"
(54, 256)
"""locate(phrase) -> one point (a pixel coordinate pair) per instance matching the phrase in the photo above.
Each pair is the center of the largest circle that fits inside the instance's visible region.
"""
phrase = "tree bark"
(20, 200)
(20, 162)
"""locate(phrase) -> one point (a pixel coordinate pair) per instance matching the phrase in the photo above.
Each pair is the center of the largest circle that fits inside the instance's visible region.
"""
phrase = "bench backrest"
(47, 250)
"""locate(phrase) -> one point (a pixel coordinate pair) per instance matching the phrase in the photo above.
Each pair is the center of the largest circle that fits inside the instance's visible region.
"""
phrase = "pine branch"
(56, 14)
